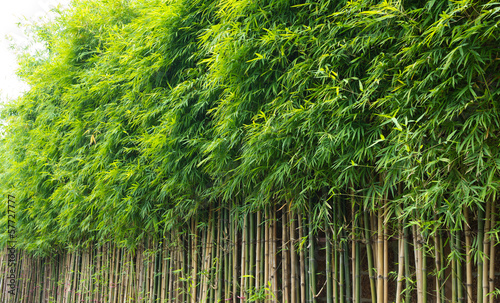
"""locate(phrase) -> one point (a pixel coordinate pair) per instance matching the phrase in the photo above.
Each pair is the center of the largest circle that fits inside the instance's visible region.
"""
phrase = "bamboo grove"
(257, 151)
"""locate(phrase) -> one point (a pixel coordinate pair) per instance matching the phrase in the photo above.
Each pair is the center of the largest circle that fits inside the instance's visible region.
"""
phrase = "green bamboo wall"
(262, 258)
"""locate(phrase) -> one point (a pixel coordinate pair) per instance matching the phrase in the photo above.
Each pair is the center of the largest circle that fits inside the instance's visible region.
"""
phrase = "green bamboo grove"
(256, 151)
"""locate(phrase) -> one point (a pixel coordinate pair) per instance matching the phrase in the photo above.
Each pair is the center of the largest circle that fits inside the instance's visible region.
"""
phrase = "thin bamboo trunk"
(407, 263)
(207, 261)
(341, 258)
(329, 282)
(386, 255)
(164, 266)
(335, 261)
(227, 257)
(423, 264)
(468, 260)
(492, 254)
(353, 246)
(380, 257)
(258, 245)
(235, 256)
(453, 269)
(437, 261)
(243, 257)
(211, 260)
(460, 291)
(486, 242)
(274, 256)
(312, 261)
(480, 237)
(348, 293)
(293, 261)
(284, 257)
(418, 265)
(369, 254)
(401, 259)
(252, 252)
(171, 273)
(302, 264)
(219, 286)
(194, 259)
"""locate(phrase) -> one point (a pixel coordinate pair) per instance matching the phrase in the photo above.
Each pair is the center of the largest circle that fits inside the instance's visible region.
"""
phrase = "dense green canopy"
(144, 113)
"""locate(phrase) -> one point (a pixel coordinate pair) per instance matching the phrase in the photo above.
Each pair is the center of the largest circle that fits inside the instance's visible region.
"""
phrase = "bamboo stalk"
(486, 242)
(227, 257)
(252, 252)
(302, 264)
(380, 256)
(274, 275)
(441, 260)
(347, 281)
(369, 254)
(293, 261)
(353, 247)
(267, 251)
(341, 265)
(126, 276)
(147, 260)
(356, 274)
(243, 258)
(407, 263)
(219, 285)
(312, 261)
(423, 264)
(258, 249)
(164, 266)
(194, 259)
(480, 237)
(171, 272)
(418, 265)
(329, 283)
(207, 261)
(155, 269)
(468, 260)
(234, 226)
(386, 255)
(492, 254)
(437, 261)
(335, 262)
(401, 257)
(460, 292)
(284, 257)
(211, 260)
(185, 264)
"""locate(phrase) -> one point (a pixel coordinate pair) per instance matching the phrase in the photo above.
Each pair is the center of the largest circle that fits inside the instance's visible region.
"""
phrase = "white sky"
(12, 12)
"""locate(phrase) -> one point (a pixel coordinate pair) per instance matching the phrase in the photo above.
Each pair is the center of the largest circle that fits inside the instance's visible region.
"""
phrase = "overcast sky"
(11, 12)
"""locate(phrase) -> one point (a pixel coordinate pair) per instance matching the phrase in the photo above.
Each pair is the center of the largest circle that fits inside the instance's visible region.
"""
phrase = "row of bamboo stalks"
(274, 256)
